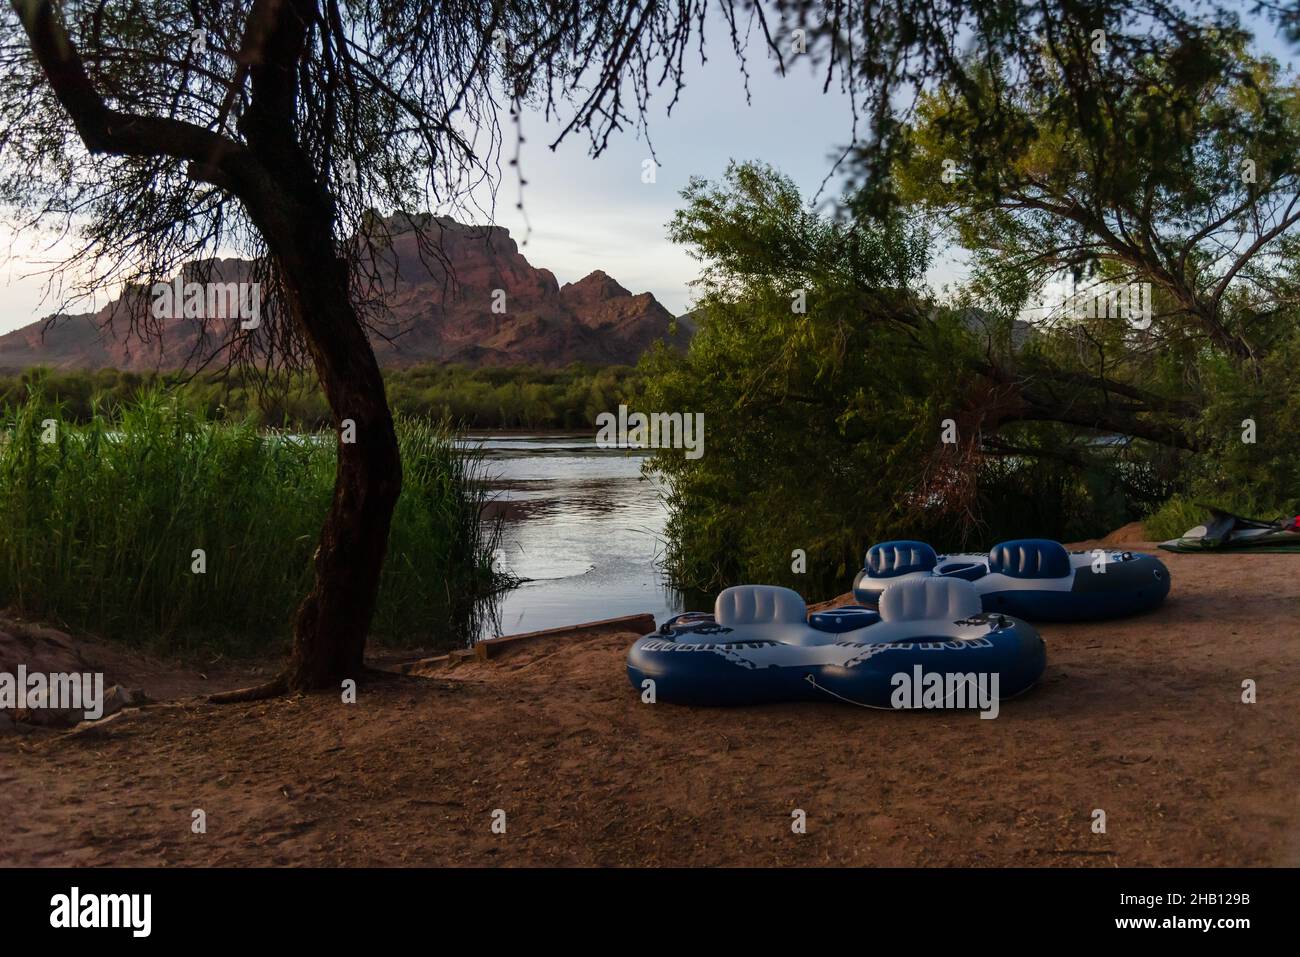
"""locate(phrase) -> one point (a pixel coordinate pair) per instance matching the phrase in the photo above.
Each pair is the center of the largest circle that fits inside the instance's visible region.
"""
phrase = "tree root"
(274, 688)
(279, 686)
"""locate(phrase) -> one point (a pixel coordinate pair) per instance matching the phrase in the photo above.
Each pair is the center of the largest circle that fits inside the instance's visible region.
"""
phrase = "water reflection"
(582, 524)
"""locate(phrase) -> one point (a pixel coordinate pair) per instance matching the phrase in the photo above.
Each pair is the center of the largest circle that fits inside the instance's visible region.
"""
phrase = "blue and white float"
(1031, 578)
(930, 645)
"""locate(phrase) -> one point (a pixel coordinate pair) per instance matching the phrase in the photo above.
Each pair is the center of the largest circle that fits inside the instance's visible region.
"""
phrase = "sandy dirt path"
(1141, 718)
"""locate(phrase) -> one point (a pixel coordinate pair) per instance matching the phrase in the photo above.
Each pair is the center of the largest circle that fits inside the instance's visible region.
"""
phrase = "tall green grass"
(99, 526)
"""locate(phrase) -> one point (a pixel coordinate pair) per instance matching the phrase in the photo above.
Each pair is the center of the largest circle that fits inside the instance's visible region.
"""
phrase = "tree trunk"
(297, 216)
(331, 624)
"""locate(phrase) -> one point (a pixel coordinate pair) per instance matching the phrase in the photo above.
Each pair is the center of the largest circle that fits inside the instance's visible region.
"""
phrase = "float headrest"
(759, 605)
(889, 559)
(1030, 558)
(945, 599)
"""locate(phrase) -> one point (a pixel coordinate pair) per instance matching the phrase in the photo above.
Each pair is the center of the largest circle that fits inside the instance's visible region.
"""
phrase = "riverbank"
(1140, 718)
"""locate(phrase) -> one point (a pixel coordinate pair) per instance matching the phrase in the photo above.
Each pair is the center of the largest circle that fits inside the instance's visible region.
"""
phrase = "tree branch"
(105, 130)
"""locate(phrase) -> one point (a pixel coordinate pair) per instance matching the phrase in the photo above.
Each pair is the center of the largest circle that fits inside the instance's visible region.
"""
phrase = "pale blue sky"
(589, 214)
(597, 214)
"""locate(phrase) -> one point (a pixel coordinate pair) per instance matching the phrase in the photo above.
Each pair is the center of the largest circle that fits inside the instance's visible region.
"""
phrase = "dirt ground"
(1140, 718)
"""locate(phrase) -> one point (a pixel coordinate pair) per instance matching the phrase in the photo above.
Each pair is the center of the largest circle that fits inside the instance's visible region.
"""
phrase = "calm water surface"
(583, 524)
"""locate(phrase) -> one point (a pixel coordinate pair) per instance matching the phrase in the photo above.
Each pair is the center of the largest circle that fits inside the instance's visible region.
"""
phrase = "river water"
(582, 523)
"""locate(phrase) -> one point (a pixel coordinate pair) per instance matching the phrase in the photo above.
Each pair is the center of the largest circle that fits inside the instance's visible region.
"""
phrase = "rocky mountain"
(464, 294)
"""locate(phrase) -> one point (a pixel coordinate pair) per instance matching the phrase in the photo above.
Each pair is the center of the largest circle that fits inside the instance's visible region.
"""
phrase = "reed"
(100, 522)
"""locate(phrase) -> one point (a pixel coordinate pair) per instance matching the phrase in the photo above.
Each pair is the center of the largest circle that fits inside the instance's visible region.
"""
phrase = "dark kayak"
(1224, 531)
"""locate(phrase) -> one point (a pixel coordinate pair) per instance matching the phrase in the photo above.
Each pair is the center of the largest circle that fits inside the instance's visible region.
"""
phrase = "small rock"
(116, 698)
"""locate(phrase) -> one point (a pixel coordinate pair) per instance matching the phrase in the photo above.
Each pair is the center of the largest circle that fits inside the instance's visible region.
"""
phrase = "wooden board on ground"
(494, 647)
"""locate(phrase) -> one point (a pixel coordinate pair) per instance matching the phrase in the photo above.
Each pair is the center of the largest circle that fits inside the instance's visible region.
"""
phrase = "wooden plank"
(438, 661)
(641, 624)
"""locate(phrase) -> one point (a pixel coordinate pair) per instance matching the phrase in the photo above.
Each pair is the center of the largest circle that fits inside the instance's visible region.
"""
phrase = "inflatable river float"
(1031, 578)
(929, 644)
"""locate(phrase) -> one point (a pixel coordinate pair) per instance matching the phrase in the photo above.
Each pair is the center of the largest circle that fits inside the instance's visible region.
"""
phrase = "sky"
(588, 214)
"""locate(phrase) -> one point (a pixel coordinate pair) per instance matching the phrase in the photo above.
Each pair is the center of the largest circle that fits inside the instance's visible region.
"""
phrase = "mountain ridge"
(464, 295)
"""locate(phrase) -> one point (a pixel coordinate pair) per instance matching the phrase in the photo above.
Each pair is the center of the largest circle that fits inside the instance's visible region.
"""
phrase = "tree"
(276, 126)
(825, 373)
(819, 375)
(166, 131)
(1188, 187)
(1190, 183)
